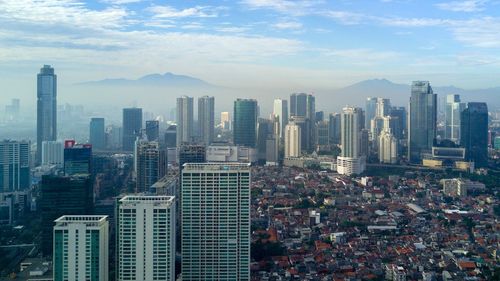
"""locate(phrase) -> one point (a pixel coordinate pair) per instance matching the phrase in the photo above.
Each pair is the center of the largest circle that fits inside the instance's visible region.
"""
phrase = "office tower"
(14, 165)
(474, 133)
(216, 222)
(280, 111)
(350, 160)
(53, 153)
(192, 153)
(388, 144)
(171, 136)
(63, 195)
(422, 123)
(399, 116)
(370, 111)
(132, 126)
(383, 107)
(364, 143)
(145, 237)
(225, 120)
(319, 116)
(376, 125)
(81, 248)
(114, 137)
(245, 122)
(334, 128)
(272, 149)
(303, 123)
(97, 135)
(153, 130)
(46, 129)
(293, 138)
(265, 131)
(206, 118)
(304, 105)
(151, 164)
(452, 117)
(12, 110)
(322, 133)
(184, 120)
(77, 158)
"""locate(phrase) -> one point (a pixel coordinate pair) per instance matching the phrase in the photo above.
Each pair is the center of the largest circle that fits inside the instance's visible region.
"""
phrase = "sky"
(273, 44)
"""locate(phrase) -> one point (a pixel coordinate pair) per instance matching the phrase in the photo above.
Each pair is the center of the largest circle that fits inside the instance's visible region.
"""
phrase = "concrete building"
(14, 165)
(293, 138)
(206, 119)
(184, 120)
(151, 164)
(53, 153)
(97, 134)
(280, 111)
(350, 160)
(231, 153)
(145, 236)
(81, 248)
(388, 144)
(215, 222)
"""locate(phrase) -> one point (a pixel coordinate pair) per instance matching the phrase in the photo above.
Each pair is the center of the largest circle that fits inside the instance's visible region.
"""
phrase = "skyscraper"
(474, 133)
(145, 237)
(453, 111)
(14, 165)
(370, 111)
(171, 136)
(225, 120)
(77, 158)
(388, 144)
(132, 126)
(81, 248)
(322, 134)
(350, 160)
(46, 129)
(97, 135)
(191, 153)
(422, 123)
(334, 129)
(293, 146)
(265, 131)
(53, 153)
(206, 119)
(399, 116)
(245, 122)
(304, 105)
(63, 195)
(151, 161)
(383, 107)
(216, 222)
(184, 120)
(153, 130)
(280, 110)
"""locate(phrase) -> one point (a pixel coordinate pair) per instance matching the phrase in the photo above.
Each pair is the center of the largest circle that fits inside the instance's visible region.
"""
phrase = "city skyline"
(292, 45)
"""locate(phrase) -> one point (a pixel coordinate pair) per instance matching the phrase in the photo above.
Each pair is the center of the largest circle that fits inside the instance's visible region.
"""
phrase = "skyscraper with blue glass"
(245, 122)
(46, 108)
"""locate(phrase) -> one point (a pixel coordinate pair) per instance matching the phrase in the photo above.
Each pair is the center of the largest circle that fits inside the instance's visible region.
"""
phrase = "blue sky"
(270, 43)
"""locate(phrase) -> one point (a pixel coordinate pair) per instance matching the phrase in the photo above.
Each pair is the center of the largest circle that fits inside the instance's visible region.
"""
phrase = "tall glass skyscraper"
(151, 164)
(153, 130)
(184, 120)
(304, 105)
(474, 133)
(351, 161)
(132, 126)
(77, 158)
(46, 129)
(280, 111)
(245, 122)
(206, 119)
(215, 222)
(97, 135)
(422, 123)
(370, 111)
(14, 166)
(453, 111)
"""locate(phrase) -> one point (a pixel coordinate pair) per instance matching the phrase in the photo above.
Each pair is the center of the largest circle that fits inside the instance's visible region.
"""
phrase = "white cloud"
(120, 2)
(293, 25)
(344, 17)
(413, 22)
(462, 6)
(171, 12)
(62, 12)
(296, 7)
(483, 32)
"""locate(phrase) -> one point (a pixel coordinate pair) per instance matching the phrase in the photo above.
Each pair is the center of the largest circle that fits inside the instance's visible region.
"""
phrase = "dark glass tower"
(422, 123)
(97, 133)
(46, 108)
(474, 133)
(14, 166)
(132, 125)
(77, 158)
(245, 122)
(63, 196)
(152, 130)
(304, 106)
(206, 119)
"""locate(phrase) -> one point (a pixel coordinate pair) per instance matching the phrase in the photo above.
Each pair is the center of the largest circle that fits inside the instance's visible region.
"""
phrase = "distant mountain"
(400, 93)
(165, 80)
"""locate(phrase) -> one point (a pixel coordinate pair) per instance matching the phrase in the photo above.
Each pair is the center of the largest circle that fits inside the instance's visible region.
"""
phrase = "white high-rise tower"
(350, 160)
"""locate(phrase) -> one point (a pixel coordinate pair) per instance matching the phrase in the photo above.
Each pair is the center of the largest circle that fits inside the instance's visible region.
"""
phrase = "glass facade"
(474, 133)
(245, 122)
(46, 108)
